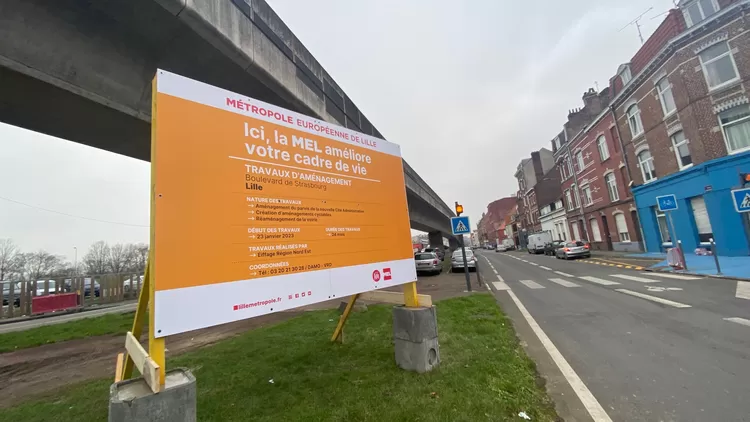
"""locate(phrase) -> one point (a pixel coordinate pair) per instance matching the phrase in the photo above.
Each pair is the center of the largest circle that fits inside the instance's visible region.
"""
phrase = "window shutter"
(595, 230)
(622, 226)
(701, 215)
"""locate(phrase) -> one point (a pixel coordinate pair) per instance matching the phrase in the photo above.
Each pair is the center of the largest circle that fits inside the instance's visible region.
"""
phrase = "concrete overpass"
(81, 70)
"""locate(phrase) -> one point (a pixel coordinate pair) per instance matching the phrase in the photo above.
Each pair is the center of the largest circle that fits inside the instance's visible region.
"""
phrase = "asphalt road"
(53, 320)
(649, 348)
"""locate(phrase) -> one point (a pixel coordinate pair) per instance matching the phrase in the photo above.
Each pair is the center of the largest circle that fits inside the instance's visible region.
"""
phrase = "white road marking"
(487, 286)
(523, 260)
(597, 280)
(653, 298)
(564, 283)
(584, 394)
(661, 289)
(564, 274)
(675, 276)
(531, 284)
(500, 278)
(743, 290)
(494, 270)
(500, 285)
(534, 263)
(741, 321)
(634, 278)
(545, 268)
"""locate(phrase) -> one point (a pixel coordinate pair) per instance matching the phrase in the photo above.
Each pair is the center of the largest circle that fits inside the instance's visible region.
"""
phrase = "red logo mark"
(235, 308)
(386, 273)
(376, 276)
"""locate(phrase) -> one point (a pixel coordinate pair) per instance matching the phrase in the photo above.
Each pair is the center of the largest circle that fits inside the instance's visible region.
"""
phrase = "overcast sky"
(467, 89)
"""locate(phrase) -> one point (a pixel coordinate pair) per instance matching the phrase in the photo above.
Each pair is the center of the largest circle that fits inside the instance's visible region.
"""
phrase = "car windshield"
(424, 256)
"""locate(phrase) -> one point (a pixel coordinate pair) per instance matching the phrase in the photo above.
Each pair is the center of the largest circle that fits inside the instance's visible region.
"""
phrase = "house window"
(611, 182)
(625, 76)
(735, 123)
(664, 88)
(702, 222)
(699, 10)
(568, 200)
(601, 144)
(569, 167)
(634, 120)
(587, 196)
(646, 162)
(661, 220)
(681, 150)
(576, 234)
(718, 64)
(579, 160)
(622, 227)
(595, 233)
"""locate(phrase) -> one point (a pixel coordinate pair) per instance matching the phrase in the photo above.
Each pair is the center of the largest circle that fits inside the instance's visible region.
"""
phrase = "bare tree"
(8, 257)
(96, 260)
(139, 257)
(117, 261)
(40, 265)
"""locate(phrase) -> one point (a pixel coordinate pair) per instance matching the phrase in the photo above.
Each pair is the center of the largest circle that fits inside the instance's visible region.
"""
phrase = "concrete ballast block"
(415, 337)
(132, 400)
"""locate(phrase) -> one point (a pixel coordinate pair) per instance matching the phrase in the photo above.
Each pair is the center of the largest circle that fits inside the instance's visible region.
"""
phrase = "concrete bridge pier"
(436, 239)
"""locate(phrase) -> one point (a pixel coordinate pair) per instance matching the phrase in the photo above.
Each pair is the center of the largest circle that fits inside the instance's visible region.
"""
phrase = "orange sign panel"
(259, 209)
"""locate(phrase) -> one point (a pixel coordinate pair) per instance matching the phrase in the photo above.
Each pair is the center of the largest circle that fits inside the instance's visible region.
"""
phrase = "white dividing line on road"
(523, 260)
(675, 276)
(487, 286)
(534, 263)
(741, 321)
(584, 394)
(564, 274)
(531, 284)
(597, 280)
(653, 298)
(545, 268)
(499, 277)
(634, 278)
(500, 285)
(743, 290)
(564, 283)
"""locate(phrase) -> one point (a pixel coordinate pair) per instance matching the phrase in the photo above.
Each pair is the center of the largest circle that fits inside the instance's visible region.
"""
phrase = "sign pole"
(466, 265)
(676, 242)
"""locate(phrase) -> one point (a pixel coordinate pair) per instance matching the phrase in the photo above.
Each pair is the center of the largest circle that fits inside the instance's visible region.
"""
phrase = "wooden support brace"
(411, 298)
(396, 298)
(146, 366)
(338, 333)
(118, 367)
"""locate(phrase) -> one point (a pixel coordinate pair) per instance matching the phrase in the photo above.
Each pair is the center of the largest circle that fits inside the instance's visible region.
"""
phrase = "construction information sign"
(259, 209)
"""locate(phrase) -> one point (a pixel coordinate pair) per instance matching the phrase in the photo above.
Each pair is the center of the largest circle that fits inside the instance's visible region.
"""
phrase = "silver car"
(457, 260)
(428, 262)
(576, 249)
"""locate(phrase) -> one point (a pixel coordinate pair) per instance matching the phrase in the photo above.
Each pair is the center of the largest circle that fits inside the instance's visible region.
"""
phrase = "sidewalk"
(731, 266)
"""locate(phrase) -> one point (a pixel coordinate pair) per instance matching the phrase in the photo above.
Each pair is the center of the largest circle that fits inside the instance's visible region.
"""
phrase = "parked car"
(537, 241)
(127, 283)
(86, 287)
(552, 247)
(576, 249)
(437, 251)
(457, 260)
(428, 262)
(501, 248)
(509, 244)
(16, 293)
(40, 287)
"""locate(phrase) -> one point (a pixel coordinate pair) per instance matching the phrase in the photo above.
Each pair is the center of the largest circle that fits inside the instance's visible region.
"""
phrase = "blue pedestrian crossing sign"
(741, 199)
(666, 202)
(460, 225)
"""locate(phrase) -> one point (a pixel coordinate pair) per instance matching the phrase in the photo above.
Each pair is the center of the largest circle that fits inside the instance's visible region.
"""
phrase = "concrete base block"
(415, 337)
(132, 400)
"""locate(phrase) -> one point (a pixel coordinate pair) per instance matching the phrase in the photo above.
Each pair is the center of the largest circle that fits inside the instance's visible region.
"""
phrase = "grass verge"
(82, 328)
(484, 374)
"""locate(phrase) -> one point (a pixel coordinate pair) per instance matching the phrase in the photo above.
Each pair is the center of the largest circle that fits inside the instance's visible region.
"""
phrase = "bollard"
(682, 255)
(476, 268)
(716, 255)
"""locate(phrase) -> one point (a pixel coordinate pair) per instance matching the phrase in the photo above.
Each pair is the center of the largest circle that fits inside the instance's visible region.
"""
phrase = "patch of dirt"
(32, 372)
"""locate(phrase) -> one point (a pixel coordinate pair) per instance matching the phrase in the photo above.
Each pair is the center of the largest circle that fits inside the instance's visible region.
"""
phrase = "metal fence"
(17, 296)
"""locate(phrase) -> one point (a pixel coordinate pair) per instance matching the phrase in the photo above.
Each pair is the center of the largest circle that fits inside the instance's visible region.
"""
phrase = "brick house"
(528, 173)
(682, 109)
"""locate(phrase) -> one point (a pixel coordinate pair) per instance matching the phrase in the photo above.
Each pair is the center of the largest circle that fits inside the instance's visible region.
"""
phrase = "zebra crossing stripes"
(598, 280)
(531, 284)
(635, 278)
(563, 282)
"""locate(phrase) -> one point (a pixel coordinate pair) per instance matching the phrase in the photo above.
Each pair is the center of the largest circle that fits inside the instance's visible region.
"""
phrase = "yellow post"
(338, 333)
(155, 345)
(410, 295)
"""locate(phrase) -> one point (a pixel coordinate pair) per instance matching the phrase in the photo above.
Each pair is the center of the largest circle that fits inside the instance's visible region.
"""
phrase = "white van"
(537, 241)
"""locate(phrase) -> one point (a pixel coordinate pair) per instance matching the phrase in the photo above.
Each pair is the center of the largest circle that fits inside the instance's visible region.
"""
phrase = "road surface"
(40, 322)
(628, 345)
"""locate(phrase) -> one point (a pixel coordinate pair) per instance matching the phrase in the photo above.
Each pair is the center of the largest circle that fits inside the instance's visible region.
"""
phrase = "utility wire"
(71, 215)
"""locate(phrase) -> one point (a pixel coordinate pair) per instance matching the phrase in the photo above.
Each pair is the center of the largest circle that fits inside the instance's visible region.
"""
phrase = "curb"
(721, 277)
(630, 267)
